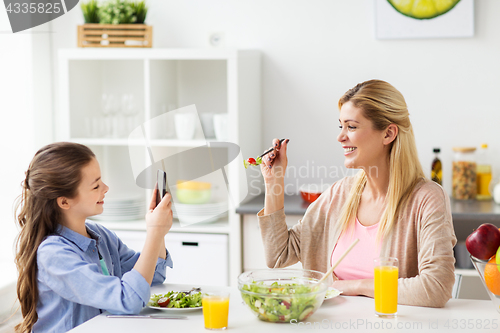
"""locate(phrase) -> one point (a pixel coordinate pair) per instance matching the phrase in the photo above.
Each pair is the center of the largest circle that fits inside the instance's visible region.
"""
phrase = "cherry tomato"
(163, 302)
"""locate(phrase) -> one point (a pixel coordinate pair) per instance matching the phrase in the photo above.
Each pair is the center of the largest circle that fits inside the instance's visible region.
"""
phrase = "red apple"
(483, 243)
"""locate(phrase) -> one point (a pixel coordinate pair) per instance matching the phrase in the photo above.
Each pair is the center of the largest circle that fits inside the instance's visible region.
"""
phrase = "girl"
(388, 205)
(70, 269)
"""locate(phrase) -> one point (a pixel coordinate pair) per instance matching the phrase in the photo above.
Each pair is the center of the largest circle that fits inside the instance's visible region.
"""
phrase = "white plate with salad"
(176, 301)
(332, 293)
(175, 309)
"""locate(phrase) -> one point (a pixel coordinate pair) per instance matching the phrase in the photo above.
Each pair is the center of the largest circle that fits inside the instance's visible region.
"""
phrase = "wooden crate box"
(115, 35)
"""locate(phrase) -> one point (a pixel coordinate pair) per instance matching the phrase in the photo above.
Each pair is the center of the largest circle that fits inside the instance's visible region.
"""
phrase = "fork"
(270, 150)
(195, 289)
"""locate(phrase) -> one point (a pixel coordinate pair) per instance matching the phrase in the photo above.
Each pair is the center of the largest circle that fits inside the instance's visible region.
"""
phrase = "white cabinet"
(192, 254)
(159, 80)
(253, 248)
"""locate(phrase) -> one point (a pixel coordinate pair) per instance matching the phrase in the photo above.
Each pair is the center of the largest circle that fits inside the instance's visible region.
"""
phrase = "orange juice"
(215, 311)
(386, 289)
(483, 182)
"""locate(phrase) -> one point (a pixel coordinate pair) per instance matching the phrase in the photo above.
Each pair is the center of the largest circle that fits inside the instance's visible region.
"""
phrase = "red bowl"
(309, 197)
(311, 192)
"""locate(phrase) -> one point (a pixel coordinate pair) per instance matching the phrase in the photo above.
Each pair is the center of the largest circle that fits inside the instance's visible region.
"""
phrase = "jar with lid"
(464, 178)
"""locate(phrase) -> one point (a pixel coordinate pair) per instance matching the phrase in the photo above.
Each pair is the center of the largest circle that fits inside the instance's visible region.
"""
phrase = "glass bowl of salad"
(282, 295)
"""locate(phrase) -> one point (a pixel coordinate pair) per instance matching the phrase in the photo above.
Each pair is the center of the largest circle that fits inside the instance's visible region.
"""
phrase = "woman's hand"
(159, 218)
(273, 169)
(274, 164)
(355, 287)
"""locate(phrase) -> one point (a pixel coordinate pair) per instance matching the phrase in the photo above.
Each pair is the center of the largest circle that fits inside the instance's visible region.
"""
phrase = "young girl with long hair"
(71, 269)
(388, 205)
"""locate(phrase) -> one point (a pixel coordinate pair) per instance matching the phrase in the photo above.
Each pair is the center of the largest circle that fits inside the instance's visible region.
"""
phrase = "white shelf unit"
(215, 80)
(219, 227)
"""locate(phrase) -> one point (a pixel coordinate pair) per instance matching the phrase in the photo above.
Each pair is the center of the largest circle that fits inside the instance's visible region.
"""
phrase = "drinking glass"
(185, 125)
(109, 108)
(220, 126)
(207, 123)
(386, 287)
(130, 110)
(215, 310)
(93, 127)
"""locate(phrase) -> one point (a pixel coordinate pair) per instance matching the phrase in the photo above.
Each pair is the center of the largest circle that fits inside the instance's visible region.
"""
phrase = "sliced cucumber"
(306, 313)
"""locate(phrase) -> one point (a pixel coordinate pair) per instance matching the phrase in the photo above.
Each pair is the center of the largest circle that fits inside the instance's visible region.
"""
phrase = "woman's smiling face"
(363, 145)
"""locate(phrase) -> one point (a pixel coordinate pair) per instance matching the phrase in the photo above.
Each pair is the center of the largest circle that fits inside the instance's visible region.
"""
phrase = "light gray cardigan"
(422, 239)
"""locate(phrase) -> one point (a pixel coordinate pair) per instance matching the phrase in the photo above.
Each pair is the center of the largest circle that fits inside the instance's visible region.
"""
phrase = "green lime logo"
(423, 9)
(26, 14)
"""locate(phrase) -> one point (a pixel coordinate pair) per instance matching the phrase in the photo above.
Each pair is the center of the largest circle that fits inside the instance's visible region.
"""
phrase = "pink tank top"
(358, 264)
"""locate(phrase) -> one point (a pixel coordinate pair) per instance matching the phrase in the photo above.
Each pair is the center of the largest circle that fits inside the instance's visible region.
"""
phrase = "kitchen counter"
(467, 214)
(343, 313)
(294, 205)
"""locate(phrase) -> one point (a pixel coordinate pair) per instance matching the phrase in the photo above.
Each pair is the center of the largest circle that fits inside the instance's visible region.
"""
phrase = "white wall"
(25, 106)
(313, 51)
(16, 133)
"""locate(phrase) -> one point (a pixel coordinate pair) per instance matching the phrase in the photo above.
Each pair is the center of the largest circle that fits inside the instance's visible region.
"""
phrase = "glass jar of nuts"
(464, 186)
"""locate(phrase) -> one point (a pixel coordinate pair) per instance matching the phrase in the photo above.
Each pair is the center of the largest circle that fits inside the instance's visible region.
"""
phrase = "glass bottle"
(464, 185)
(437, 168)
(483, 173)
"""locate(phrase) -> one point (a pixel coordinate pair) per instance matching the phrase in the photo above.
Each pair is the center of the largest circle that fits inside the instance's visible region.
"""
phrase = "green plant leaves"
(90, 11)
(115, 12)
(140, 11)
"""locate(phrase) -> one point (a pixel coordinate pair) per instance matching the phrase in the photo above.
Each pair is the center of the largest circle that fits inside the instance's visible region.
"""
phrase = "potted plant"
(140, 11)
(115, 23)
(117, 12)
(90, 11)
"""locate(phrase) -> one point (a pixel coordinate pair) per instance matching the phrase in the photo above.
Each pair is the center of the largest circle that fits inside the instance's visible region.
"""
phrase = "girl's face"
(363, 145)
(90, 195)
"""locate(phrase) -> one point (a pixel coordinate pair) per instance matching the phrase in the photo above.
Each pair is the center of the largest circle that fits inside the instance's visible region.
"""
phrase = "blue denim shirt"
(71, 286)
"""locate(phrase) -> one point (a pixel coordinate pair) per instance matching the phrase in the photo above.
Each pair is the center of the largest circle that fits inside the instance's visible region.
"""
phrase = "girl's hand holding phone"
(158, 223)
(159, 218)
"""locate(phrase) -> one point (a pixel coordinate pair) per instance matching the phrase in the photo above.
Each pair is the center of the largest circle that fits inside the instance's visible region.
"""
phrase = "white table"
(344, 313)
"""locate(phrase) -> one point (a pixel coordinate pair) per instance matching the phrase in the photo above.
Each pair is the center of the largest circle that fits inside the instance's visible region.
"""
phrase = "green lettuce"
(282, 302)
(177, 300)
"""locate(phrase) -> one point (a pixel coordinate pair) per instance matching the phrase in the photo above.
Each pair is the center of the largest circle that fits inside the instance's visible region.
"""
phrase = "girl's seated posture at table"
(70, 269)
(388, 205)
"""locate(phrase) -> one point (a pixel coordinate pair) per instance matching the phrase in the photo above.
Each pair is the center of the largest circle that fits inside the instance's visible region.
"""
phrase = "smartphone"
(161, 183)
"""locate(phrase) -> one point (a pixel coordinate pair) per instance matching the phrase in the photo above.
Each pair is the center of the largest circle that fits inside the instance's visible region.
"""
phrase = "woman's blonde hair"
(55, 171)
(383, 105)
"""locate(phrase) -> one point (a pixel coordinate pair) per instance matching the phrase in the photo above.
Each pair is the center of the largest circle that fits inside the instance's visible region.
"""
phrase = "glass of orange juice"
(215, 310)
(386, 287)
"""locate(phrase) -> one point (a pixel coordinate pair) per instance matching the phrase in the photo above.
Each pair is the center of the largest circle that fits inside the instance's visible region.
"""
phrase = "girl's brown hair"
(55, 171)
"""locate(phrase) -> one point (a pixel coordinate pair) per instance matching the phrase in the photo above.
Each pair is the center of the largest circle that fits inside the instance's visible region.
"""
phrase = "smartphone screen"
(161, 181)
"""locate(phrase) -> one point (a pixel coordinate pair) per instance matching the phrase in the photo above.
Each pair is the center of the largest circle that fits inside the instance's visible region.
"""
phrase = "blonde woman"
(388, 205)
